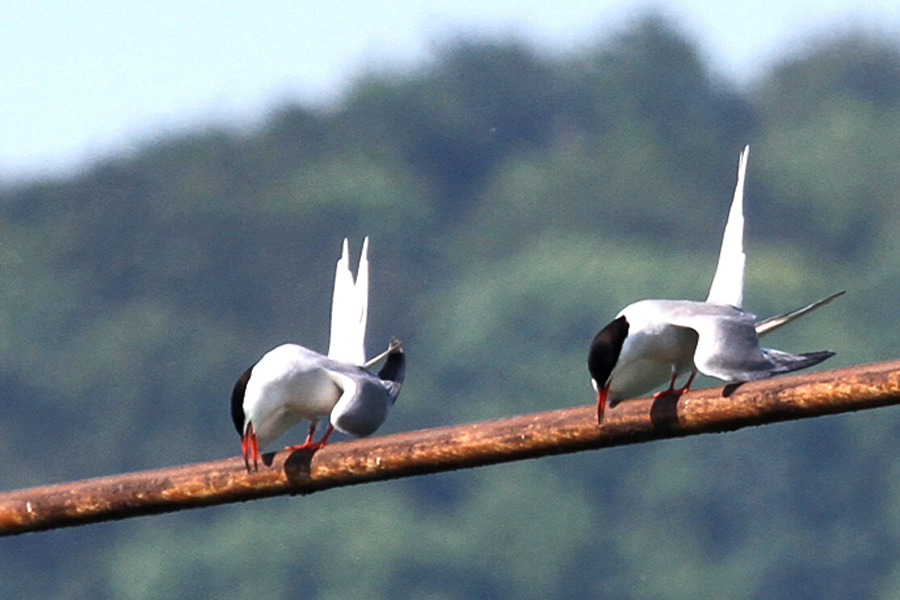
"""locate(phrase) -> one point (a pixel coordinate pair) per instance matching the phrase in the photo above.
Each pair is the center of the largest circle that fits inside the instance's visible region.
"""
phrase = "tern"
(291, 383)
(654, 341)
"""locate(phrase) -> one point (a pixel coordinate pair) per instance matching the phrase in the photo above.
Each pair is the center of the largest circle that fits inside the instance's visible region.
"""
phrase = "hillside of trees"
(515, 201)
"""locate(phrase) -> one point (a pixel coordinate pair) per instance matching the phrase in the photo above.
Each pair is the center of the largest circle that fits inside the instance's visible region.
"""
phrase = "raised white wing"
(728, 283)
(349, 309)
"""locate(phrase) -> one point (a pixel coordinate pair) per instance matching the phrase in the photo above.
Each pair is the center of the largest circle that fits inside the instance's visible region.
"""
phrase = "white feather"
(349, 309)
(728, 282)
(772, 323)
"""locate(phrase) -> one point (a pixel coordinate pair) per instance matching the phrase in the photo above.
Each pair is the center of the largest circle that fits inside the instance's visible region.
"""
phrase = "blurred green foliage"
(516, 201)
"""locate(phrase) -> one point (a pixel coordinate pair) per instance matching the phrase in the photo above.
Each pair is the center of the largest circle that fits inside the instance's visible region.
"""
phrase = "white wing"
(349, 309)
(728, 282)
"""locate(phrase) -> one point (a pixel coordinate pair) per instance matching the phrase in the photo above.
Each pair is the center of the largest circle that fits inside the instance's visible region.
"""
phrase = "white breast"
(652, 349)
(287, 385)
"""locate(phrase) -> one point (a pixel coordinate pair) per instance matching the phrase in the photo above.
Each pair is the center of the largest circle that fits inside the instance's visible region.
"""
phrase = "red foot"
(250, 445)
(308, 444)
(671, 391)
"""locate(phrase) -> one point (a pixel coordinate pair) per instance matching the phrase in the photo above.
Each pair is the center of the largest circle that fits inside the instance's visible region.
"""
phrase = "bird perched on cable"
(654, 341)
(291, 383)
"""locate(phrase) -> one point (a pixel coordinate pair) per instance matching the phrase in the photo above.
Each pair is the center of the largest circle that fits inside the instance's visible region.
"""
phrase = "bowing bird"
(654, 341)
(291, 383)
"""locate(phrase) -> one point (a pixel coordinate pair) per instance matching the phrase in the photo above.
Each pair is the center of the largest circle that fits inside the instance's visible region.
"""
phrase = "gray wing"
(364, 401)
(728, 346)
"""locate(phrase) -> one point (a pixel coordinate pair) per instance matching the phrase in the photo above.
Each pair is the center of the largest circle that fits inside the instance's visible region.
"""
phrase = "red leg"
(308, 441)
(687, 385)
(671, 391)
(309, 436)
(311, 445)
(315, 446)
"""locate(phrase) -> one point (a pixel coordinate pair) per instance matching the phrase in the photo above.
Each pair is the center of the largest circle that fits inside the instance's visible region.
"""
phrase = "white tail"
(772, 323)
(728, 282)
(349, 309)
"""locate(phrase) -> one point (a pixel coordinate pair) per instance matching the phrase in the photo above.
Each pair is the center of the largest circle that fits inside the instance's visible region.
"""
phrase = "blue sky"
(82, 80)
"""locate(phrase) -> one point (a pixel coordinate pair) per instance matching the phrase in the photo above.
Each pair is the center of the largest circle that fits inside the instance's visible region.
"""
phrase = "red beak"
(602, 393)
(249, 447)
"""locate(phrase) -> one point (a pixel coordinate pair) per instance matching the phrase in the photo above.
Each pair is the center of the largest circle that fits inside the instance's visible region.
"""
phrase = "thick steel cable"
(449, 448)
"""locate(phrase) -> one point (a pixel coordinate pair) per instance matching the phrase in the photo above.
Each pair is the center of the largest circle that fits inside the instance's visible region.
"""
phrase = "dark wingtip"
(785, 362)
(394, 366)
(237, 401)
(820, 356)
(394, 369)
(811, 359)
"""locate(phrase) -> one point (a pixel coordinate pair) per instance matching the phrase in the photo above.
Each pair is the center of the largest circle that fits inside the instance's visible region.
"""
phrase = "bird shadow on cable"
(268, 458)
(297, 465)
(731, 388)
(664, 410)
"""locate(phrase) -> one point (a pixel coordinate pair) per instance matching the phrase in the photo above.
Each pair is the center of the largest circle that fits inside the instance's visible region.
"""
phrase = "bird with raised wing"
(654, 341)
(291, 383)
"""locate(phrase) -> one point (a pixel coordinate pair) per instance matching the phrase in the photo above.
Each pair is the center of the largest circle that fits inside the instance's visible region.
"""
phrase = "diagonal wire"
(449, 448)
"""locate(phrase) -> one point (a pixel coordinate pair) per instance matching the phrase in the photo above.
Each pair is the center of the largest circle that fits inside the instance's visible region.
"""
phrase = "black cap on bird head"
(237, 401)
(605, 350)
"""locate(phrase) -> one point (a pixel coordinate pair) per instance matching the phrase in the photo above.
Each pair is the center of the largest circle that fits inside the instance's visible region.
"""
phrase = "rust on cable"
(449, 448)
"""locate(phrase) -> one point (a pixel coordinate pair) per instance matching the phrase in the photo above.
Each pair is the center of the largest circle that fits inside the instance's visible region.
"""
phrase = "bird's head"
(605, 350)
(237, 401)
